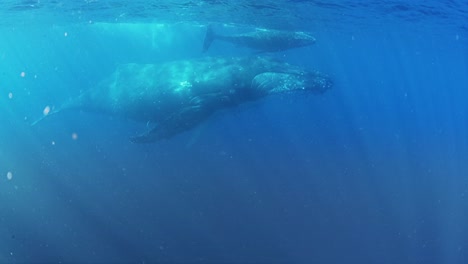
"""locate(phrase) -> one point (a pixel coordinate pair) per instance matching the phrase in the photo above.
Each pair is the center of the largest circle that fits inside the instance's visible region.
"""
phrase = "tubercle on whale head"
(317, 82)
(281, 82)
(313, 81)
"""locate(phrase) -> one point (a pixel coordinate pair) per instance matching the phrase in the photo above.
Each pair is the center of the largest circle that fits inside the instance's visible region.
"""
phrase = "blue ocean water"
(375, 170)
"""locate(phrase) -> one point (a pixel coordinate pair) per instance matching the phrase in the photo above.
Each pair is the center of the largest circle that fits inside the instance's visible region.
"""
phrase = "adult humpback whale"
(178, 95)
(267, 40)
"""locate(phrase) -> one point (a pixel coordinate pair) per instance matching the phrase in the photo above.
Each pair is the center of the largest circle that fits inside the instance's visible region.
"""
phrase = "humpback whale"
(178, 95)
(263, 40)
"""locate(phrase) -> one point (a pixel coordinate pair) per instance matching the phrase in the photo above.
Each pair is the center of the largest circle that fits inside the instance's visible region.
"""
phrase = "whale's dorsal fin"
(199, 108)
(209, 37)
(176, 123)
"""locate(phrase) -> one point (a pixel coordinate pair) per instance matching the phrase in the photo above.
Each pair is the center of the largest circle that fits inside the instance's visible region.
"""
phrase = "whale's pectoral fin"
(209, 37)
(176, 123)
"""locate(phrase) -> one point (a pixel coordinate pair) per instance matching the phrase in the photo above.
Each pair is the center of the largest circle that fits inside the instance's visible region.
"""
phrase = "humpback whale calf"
(176, 96)
(264, 40)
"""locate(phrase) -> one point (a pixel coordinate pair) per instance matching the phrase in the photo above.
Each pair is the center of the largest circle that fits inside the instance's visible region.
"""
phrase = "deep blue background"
(373, 171)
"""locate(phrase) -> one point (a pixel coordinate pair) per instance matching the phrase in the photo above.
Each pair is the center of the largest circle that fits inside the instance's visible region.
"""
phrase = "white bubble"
(10, 95)
(46, 110)
(65, 34)
(74, 136)
(23, 74)
(9, 175)
(53, 143)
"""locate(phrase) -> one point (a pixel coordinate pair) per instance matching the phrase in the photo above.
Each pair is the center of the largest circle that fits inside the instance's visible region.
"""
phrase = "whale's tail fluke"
(209, 37)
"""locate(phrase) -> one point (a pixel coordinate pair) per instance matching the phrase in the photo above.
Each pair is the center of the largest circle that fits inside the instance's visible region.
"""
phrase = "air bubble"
(46, 110)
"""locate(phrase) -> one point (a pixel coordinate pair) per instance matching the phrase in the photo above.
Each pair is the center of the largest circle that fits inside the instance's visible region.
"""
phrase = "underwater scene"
(215, 131)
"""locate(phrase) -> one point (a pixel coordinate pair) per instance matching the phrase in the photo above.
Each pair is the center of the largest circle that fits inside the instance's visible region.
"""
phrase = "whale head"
(280, 82)
(303, 39)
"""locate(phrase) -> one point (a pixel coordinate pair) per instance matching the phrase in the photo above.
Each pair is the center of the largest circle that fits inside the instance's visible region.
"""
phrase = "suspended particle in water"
(53, 143)
(46, 110)
(65, 34)
(9, 175)
(10, 95)
(23, 74)
(74, 136)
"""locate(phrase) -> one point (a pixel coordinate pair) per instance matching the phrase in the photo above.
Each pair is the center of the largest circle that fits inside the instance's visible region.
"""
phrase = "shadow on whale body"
(179, 95)
(262, 40)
